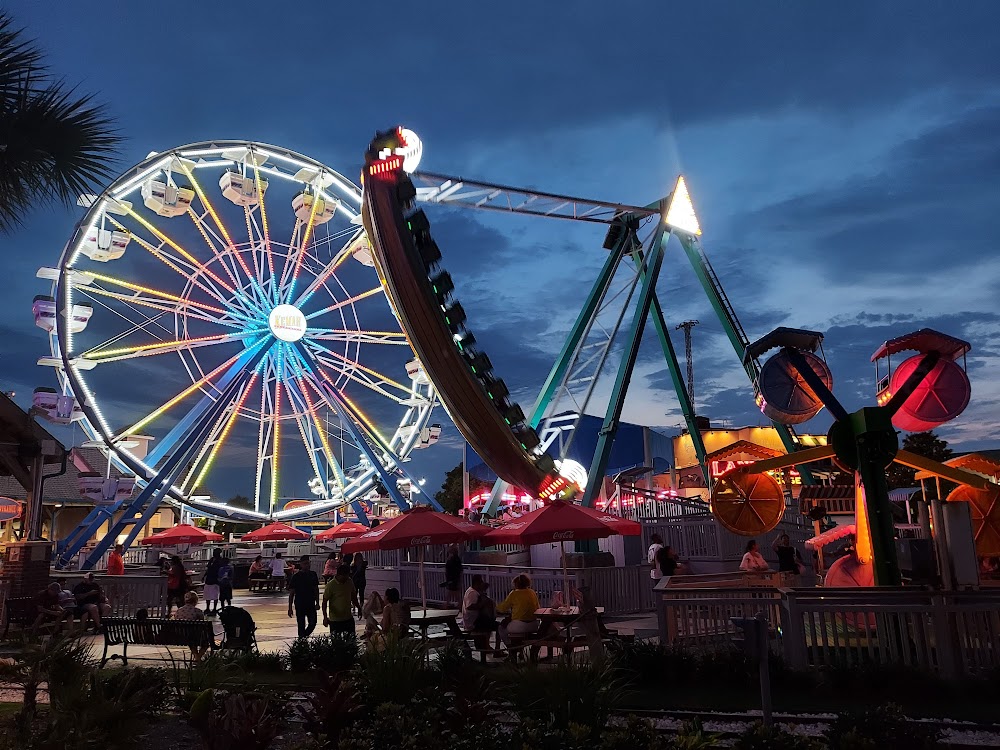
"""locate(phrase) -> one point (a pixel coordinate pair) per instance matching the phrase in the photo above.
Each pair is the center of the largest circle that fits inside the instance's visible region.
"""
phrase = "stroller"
(238, 630)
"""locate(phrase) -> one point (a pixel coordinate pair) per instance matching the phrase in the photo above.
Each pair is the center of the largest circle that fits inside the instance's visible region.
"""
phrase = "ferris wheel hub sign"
(287, 323)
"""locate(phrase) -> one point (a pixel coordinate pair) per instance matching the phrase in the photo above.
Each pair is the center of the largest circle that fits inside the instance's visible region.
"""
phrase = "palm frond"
(19, 56)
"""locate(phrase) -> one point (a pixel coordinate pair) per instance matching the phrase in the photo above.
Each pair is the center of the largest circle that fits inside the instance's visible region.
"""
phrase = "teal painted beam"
(609, 428)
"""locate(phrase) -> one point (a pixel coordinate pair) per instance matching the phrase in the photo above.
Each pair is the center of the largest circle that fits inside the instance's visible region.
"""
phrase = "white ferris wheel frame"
(249, 291)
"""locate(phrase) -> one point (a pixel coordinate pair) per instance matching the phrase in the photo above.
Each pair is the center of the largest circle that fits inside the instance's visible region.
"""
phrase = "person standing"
(279, 570)
(212, 583)
(359, 575)
(452, 577)
(116, 561)
(655, 545)
(666, 561)
(303, 597)
(176, 583)
(789, 560)
(330, 566)
(753, 561)
(226, 583)
(340, 600)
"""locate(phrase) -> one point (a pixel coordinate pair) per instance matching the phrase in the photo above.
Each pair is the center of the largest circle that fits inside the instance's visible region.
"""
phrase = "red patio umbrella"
(561, 522)
(276, 532)
(183, 533)
(416, 527)
(345, 530)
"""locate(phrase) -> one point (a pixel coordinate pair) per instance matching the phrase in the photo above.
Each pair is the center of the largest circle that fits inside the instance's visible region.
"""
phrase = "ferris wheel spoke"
(207, 272)
(144, 326)
(301, 412)
(175, 264)
(265, 228)
(364, 422)
(326, 272)
(99, 354)
(215, 217)
(322, 355)
(396, 338)
(358, 378)
(331, 457)
(131, 300)
(264, 431)
(303, 245)
(196, 385)
(276, 431)
(215, 443)
(345, 302)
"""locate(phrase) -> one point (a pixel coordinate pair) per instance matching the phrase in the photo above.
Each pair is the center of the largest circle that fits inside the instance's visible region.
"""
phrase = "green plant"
(104, 710)
(271, 662)
(329, 653)
(584, 694)
(759, 737)
(243, 723)
(692, 736)
(880, 727)
(330, 710)
(393, 673)
(636, 733)
(186, 679)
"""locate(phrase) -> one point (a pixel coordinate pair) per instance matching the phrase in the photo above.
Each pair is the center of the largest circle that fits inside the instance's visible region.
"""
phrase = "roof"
(924, 340)
(743, 446)
(64, 488)
(985, 462)
(796, 338)
(17, 427)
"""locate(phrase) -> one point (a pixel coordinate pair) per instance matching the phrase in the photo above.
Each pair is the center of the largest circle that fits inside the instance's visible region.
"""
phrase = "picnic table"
(421, 622)
(563, 618)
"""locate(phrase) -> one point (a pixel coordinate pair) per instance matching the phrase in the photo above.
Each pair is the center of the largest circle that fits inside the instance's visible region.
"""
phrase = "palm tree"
(54, 143)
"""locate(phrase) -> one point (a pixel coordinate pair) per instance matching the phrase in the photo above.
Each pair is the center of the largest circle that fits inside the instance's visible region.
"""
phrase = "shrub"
(759, 737)
(692, 736)
(244, 723)
(330, 710)
(330, 653)
(881, 727)
(634, 733)
(583, 694)
(651, 662)
(393, 672)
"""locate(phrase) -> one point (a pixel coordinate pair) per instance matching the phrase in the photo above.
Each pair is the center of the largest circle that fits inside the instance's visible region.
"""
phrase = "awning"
(828, 537)
(903, 494)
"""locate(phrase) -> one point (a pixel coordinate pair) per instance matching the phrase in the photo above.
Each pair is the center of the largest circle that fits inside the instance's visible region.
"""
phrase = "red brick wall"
(28, 567)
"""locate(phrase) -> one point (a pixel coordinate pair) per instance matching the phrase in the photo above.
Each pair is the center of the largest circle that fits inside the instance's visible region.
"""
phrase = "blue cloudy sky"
(843, 157)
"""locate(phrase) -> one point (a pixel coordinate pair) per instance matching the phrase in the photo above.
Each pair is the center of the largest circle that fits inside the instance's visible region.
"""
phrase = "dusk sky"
(844, 160)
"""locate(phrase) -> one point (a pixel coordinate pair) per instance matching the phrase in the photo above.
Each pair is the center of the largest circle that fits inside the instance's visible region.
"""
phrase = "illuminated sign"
(718, 468)
(287, 323)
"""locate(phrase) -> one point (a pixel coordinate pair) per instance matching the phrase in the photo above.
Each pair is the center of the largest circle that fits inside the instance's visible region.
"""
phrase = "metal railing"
(953, 634)
(620, 590)
(128, 593)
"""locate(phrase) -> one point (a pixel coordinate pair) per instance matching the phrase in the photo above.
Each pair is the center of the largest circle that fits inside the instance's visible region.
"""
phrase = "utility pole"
(687, 325)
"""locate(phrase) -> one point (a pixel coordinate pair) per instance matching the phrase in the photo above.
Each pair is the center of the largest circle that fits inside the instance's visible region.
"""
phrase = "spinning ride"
(217, 307)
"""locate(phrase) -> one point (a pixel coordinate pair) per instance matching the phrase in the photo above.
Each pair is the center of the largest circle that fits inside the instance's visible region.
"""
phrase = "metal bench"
(122, 631)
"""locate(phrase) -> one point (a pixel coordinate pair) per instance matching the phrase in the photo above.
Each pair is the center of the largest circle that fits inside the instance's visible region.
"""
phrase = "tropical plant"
(760, 737)
(54, 143)
(880, 727)
(243, 723)
(582, 694)
(634, 733)
(330, 710)
(329, 653)
(393, 672)
(692, 736)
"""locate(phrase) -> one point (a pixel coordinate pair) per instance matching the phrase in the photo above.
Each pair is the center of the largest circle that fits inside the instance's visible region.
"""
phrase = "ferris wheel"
(217, 310)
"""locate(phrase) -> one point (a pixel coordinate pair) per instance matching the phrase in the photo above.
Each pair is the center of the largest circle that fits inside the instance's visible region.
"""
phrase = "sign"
(718, 468)
(287, 323)
(9, 509)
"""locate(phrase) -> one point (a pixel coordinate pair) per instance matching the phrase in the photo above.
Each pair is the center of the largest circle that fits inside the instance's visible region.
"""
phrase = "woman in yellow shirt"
(521, 603)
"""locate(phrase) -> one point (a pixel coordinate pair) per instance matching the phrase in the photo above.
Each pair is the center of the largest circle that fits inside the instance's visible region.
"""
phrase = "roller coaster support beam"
(734, 331)
(558, 372)
(652, 263)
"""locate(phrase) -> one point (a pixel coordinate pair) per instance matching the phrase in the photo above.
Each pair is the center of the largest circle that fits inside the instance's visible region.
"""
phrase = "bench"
(270, 583)
(22, 612)
(122, 631)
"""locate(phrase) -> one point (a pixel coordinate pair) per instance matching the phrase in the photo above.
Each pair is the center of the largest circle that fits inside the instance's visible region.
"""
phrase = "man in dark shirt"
(88, 599)
(666, 560)
(303, 596)
(48, 609)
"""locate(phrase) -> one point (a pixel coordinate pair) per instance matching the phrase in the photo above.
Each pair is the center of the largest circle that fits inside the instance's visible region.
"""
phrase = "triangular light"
(680, 214)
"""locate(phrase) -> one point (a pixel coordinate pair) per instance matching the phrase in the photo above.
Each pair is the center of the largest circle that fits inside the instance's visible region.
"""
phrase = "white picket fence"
(128, 593)
(948, 633)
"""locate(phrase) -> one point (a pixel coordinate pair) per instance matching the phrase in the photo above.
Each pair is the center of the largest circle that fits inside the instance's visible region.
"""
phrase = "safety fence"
(953, 634)
(129, 593)
(620, 590)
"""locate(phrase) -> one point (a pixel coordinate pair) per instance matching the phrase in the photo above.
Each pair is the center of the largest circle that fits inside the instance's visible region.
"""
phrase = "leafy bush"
(692, 736)
(634, 733)
(877, 728)
(420, 724)
(244, 723)
(394, 672)
(759, 737)
(652, 663)
(105, 710)
(583, 694)
(270, 662)
(330, 710)
(330, 653)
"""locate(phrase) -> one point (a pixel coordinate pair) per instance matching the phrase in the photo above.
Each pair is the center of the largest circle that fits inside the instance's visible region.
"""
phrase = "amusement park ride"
(273, 319)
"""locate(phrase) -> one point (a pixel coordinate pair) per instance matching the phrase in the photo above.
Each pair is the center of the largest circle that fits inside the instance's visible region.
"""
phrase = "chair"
(238, 630)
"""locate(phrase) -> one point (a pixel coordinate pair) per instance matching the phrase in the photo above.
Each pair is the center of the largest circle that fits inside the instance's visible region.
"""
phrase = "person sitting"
(666, 561)
(371, 611)
(479, 611)
(68, 602)
(521, 604)
(48, 609)
(190, 611)
(89, 598)
(258, 571)
(753, 561)
(395, 615)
